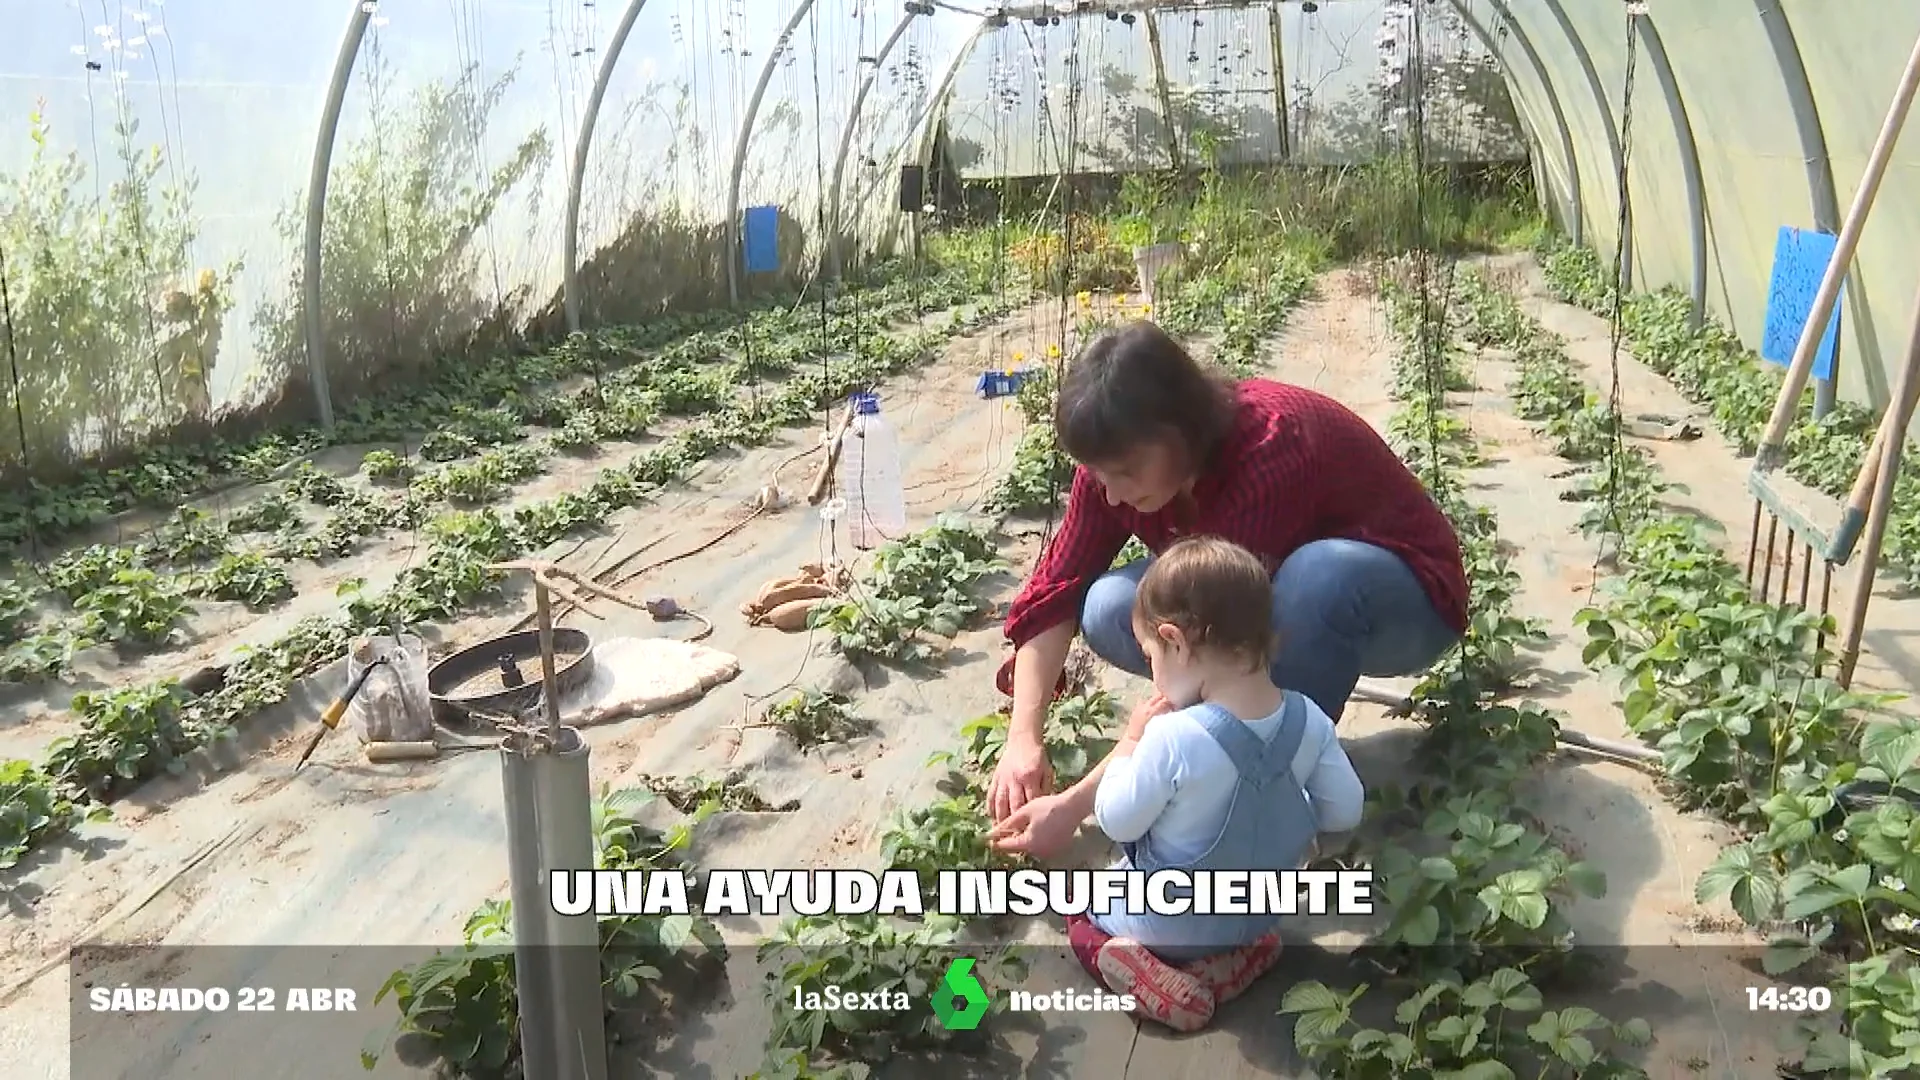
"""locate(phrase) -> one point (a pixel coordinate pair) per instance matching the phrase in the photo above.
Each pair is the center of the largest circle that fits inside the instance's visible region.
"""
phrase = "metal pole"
(549, 808)
(740, 143)
(549, 805)
(1174, 156)
(316, 318)
(1576, 208)
(1281, 111)
(1689, 158)
(549, 686)
(570, 239)
(1623, 248)
(847, 131)
(1819, 165)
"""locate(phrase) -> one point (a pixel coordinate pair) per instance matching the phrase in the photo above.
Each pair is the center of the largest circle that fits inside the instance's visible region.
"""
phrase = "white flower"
(1893, 884)
(1901, 922)
(1840, 835)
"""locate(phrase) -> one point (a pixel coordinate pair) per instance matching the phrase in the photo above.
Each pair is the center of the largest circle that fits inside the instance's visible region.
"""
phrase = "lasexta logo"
(961, 1002)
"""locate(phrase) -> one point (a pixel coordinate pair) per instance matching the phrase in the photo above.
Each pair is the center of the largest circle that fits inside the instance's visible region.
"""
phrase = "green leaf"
(1310, 997)
(1745, 880)
(1423, 928)
(1587, 880)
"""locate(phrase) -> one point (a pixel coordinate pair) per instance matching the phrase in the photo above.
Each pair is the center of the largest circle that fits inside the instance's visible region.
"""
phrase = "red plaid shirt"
(1298, 467)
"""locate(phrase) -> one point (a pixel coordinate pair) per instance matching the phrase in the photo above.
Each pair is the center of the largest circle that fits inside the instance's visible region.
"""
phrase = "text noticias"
(1025, 892)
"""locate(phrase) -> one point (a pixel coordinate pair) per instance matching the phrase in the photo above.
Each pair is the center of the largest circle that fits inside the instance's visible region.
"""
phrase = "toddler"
(1222, 770)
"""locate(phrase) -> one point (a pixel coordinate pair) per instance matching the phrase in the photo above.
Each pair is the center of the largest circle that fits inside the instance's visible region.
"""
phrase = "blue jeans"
(1342, 609)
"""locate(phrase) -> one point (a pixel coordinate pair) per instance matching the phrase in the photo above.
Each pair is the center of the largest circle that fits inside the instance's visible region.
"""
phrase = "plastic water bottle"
(870, 476)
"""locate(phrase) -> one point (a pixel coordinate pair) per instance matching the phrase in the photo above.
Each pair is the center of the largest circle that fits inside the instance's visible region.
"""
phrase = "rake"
(1780, 498)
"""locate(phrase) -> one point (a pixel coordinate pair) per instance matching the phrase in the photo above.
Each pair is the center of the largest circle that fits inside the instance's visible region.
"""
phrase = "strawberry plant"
(191, 536)
(947, 835)
(384, 465)
(136, 606)
(17, 602)
(249, 578)
(812, 718)
(1494, 1027)
(1079, 733)
(923, 584)
(125, 736)
(270, 512)
(32, 810)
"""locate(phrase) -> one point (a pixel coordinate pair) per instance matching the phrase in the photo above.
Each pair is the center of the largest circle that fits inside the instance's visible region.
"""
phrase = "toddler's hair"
(1217, 592)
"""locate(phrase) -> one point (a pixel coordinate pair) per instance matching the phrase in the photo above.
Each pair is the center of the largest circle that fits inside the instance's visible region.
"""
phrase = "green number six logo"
(961, 1002)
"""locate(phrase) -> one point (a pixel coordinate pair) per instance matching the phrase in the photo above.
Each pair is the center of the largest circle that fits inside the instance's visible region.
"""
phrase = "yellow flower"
(1053, 352)
(207, 281)
(1019, 357)
(1085, 298)
(1146, 310)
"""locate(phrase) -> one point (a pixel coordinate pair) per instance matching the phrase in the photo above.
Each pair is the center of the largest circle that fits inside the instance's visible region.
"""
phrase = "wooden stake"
(823, 478)
(549, 684)
(1899, 417)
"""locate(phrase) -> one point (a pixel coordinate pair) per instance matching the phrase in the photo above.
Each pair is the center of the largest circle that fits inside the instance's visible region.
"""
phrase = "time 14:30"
(1789, 999)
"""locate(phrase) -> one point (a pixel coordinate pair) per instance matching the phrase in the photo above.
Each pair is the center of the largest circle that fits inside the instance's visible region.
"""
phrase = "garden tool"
(1776, 495)
(1883, 464)
(331, 718)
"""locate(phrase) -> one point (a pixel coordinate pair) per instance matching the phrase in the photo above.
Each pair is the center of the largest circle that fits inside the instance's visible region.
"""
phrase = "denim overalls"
(1270, 826)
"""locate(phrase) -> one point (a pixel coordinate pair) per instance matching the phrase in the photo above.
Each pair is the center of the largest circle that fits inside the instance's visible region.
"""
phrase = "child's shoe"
(1161, 992)
(1229, 974)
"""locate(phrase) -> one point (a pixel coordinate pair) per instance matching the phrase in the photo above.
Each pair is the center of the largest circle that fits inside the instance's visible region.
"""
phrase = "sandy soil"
(398, 855)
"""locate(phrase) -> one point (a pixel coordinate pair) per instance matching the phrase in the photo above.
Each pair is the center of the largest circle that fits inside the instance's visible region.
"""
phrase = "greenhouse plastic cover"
(460, 125)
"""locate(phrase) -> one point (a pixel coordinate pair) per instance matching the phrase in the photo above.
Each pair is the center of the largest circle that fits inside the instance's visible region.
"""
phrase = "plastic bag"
(394, 705)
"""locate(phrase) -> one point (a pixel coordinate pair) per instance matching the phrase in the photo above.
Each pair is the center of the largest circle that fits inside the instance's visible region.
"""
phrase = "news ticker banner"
(312, 1012)
(966, 893)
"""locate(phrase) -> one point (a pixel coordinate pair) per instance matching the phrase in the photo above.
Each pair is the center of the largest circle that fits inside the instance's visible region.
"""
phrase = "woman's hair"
(1217, 592)
(1133, 384)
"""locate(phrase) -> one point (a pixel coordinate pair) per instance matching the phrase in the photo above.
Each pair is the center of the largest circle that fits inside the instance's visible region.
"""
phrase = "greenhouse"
(522, 515)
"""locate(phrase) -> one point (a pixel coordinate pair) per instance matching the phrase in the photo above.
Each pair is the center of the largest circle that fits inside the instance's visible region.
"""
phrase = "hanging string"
(1066, 162)
(34, 549)
(137, 206)
(1616, 441)
(469, 47)
(377, 93)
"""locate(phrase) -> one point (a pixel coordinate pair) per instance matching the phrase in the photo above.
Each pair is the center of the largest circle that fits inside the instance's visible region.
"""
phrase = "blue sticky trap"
(995, 384)
(1800, 261)
(760, 237)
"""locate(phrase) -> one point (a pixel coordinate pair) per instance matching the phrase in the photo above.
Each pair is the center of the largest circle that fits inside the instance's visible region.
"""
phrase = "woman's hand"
(1022, 775)
(1042, 827)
